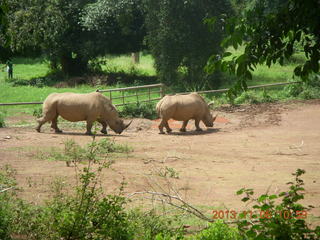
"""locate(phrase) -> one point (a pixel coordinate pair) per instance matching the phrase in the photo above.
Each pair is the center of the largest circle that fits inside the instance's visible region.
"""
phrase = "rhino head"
(208, 118)
(118, 125)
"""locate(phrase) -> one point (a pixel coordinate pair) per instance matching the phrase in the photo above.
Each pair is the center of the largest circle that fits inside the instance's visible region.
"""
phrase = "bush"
(7, 181)
(139, 110)
(218, 231)
(149, 225)
(87, 214)
(37, 112)
(310, 89)
(283, 219)
(2, 122)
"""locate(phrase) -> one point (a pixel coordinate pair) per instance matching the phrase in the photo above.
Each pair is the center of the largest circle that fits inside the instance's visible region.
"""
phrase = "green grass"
(26, 69)
(124, 64)
(264, 75)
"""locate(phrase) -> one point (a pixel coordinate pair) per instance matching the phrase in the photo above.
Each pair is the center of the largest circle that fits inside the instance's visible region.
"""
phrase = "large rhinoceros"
(76, 107)
(183, 108)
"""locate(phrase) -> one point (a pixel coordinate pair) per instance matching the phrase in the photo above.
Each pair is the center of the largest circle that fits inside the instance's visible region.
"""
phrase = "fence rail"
(149, 92)
(249, 87)
(122, 96)
(136, 93)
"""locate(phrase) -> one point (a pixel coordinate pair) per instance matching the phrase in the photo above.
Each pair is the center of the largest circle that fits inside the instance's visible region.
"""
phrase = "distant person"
(10, 69)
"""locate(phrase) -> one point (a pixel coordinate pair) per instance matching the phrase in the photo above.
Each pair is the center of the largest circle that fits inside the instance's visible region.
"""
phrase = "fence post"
(161, 90)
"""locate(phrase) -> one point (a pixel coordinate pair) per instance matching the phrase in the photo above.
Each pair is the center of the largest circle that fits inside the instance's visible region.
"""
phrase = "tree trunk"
(73, 66)
(135, 57)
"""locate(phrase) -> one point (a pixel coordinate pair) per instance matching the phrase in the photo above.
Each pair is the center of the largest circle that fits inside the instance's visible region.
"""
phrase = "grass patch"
(74, 153)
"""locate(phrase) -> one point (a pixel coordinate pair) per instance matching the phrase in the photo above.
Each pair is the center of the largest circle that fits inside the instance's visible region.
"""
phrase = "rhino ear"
(210, 104)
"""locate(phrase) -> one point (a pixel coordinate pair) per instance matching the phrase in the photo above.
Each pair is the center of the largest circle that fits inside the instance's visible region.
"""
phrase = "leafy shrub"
(87, 214)
(37, 112)
(247, 97)
(278, 220)
(149, 225)
(2, 122)
(218, 231)
(95, 151)
(309, 89)
(140, 110)
(7, 183)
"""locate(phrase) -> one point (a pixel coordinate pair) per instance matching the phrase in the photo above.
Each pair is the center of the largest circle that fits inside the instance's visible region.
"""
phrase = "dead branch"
(169, 199)
(6, 189)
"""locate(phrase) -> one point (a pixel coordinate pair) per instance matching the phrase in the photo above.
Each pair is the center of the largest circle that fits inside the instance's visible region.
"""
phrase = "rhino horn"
(215, 118)
(127, 125)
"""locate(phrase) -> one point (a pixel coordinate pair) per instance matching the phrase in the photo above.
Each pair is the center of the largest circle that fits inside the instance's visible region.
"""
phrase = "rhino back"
(78, 107)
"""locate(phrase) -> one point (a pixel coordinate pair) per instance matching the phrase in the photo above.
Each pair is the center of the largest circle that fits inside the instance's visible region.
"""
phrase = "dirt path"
(256, 146)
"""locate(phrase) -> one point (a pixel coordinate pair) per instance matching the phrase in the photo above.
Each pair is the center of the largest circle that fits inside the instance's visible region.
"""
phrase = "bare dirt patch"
(255, 146)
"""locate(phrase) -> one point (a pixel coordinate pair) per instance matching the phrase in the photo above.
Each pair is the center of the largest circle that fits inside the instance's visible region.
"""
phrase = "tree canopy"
(181, 42)
(270, 33)
(73, 32)
(120, 24)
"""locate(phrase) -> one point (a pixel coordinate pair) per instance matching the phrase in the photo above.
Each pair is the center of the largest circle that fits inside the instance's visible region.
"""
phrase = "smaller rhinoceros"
(76, 107)
(183, 108)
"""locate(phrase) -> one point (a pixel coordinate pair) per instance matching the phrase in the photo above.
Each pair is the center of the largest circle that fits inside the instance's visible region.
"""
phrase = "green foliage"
(2, 122)
(140, 110)
(280, 215)
(37, 112)
(254, 97)
(95, 151)
(3, 29)
(120, 24)
(86, 214)
(308, 89)
(168, 172)
(7, 181)
(180, 41)
(218, 231)
(148, 225)
(270, 32)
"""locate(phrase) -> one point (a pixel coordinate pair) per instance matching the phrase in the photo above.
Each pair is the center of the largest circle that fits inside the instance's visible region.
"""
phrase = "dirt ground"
(253, 146)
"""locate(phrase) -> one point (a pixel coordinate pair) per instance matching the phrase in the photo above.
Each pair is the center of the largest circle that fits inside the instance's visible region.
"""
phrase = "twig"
(6, 189)
(168, 199)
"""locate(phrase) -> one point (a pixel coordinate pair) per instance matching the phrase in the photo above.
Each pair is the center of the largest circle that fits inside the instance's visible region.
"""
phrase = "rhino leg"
(54, 124)
(104, 126)
(169, 130)
(197, 121)
(89, 127)
(161, 125)
(47, 116)
(184, 125)
(164, 123)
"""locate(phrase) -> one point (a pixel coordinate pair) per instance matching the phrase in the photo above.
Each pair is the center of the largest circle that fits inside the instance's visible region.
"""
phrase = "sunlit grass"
(26, 68)
(124, 64)
(264, 75)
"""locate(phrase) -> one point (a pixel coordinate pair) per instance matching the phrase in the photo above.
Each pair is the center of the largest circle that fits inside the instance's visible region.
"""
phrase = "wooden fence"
(135, 93)
(157, 89)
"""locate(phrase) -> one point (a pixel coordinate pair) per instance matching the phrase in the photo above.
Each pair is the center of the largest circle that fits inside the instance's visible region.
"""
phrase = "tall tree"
(53, 26)
(180, 41)
(4, 40)
(269, 35)
(119, 23)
